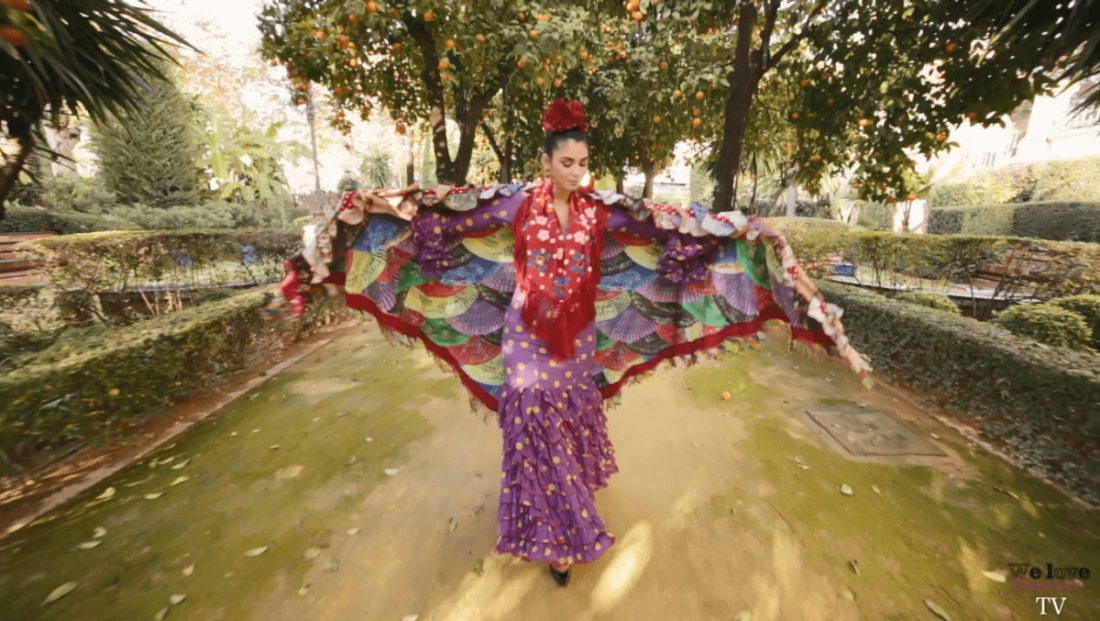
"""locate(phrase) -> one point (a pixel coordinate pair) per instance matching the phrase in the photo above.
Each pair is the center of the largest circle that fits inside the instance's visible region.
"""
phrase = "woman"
(545, 299)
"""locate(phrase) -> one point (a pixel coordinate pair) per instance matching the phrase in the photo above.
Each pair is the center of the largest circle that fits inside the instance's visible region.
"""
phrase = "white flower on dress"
(580, 237)
(544, 235)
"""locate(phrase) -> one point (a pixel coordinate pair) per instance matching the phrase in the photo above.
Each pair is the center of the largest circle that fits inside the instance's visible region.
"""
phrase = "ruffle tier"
(557, 454)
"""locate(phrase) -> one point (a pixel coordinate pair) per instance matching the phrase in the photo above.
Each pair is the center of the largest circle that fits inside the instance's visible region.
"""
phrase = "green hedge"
(103, 379)
(1046, 323)
(24, 220)
(1088, 307)
(1060, 180)
(1065, 221)
(1040, 402)
(927, 299)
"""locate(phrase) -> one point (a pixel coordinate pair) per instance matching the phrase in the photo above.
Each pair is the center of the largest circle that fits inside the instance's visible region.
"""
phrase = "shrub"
(876, 216)
(24, 220)
(1067, 180)
(100, 380)
(77, 194)
(1045, 220)
(938, 301)
(210, 215)
(953, 194)
(1040, 402)
(983, 189)
(1046, 323)
(1088, 307)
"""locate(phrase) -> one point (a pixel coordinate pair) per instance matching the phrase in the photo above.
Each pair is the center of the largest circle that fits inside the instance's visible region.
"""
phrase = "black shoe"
(562, 577)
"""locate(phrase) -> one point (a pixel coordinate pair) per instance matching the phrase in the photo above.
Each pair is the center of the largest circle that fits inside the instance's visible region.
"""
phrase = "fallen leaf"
(452, 525)
(1005, 491)
(180, 480)
(803, 466)
(341, 414)
(99, 532)
(166, 460)
(233, 435)
(875, 488)
(370, 439)
(190, 569)
(936, 609)
(844, 489)
(60, 592)
(478, 567)
(176, 599)
(255, 431)
(997, 576)
(848, 595)
(312, 553)
(161, 614)
(818, 594)
(410, 617)
(392, 471)
(107, 493)
(88, 545)
(330, 565)
(351, 460)
(934, 436)
(744, 615)
(273, 447)
(353, 531)
(477, 473)
(256, 551)
(303, 590)
(855, 566)
(154, 495)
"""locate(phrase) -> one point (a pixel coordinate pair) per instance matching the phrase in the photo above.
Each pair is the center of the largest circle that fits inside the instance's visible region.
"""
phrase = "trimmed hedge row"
(1065, 221)
(105, 380)
(929, 299)
(23, 220)
(1042, 403)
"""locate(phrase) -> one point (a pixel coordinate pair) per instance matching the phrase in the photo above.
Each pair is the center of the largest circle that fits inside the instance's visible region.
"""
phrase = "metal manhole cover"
(872, 432)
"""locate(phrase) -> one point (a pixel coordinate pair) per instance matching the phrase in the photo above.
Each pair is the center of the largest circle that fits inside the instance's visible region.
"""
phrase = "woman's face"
(568, 165)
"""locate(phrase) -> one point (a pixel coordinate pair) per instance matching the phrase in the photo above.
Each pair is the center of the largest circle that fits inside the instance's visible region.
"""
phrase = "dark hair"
(554, 139)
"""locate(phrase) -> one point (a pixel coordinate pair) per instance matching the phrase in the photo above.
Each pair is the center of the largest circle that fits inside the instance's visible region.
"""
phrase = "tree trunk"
(743, 81)
(10, 172)
(619, 185)
(311, 119)
(647, 170)
(410, 168)
(792, 197)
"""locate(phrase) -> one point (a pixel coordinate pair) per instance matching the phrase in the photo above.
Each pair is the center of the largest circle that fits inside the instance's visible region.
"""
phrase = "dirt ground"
(366, 490)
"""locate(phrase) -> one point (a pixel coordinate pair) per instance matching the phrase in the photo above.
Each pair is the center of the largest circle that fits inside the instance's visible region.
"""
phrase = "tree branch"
(492, 141)
(794, 41)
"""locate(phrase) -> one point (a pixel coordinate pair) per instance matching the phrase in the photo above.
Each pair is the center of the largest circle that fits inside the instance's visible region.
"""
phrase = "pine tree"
(150, 156)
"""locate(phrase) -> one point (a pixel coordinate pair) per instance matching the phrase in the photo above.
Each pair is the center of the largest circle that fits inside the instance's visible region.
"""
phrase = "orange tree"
(874, 82)
(437, 60)
(74, 55)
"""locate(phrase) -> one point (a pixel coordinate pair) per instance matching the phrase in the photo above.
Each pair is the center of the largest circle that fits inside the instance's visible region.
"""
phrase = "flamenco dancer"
(545, 299)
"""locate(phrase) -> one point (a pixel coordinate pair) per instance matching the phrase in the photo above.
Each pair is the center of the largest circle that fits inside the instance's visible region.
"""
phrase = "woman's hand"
(390, 202)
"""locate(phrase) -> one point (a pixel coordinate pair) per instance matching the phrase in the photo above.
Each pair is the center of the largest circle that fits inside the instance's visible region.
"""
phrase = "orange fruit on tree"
(700, 95)
(677, 93)
(446, 77)
(444, 64)
(429, 16)
(401, 128)
(353, 18)
(18, 5)
(354, 61)
(451, 43)
(534, 34)
(522, 16)
(973, 116)
(540, 81)
(697, 122)
(274, 62)
(301, 101)
(804, 83)
(941, 137)
(372, 7)
(397, 47)
(557, 83)
(695, 112)
(664, 65)
(656, 119)
(951, 47)
(911, 197)
(343, 40)
(638, 16)
(558, 59)
(829, 102)
(865, 122)
(522, 63)
(394, 14)
(480, 37)
(584, 55)
(816, 158)
(795, 115)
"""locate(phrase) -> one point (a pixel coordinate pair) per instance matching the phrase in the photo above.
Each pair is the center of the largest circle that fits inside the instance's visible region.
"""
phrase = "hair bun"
(562, 116)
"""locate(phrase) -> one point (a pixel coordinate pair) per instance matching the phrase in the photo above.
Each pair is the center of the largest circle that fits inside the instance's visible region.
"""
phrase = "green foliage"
(984, 189)
(81, 55)
(150, 156)
(210, 215)
(99, 380)
(347, 183)
(1046, 269)
(1088, 307)
(1017, 389)
(702, 184)
(937, 301)
(25, 220)
(376, 169)
(1063, 221)
(82, 194)
(875, 216)
(1046, 323)
(246, 165)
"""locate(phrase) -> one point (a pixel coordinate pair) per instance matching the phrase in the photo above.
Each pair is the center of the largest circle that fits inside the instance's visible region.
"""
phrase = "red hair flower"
(563, 115)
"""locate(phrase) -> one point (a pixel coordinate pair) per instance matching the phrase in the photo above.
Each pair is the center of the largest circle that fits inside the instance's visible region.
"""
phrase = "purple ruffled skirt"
(557, 452)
